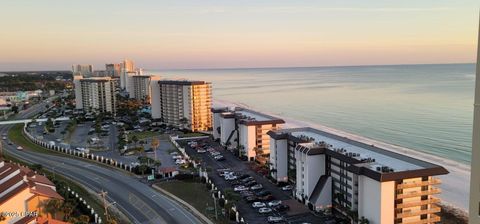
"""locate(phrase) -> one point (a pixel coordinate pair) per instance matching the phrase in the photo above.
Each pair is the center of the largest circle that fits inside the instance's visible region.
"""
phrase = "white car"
(177, 157)
(274, 203)
(4, 138)
(201, 151)
(274, 219)
(287, 188)
(180, 161)
(19, 148)
(215, 153)
(258, 204)
(256, 187)
(240, 188)
(264, 210)
(230, 177)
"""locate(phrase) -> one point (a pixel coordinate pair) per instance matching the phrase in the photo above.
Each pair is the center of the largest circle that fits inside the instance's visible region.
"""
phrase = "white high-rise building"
(183, 103)
(125, 67)
(95, 94)
(474, 213)
(140, 86)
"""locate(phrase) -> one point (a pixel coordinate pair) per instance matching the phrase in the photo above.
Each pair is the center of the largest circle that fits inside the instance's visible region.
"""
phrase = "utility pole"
(475, 162)
(103, 194)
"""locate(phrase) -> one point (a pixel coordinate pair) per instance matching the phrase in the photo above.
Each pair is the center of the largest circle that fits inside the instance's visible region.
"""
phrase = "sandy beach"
(455, 185)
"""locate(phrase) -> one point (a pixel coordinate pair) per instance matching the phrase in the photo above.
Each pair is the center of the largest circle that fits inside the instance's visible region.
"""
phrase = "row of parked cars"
(202, 147)
(252, 192)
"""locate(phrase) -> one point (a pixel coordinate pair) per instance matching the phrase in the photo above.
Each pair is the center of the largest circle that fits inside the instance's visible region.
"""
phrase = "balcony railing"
(432, 219)
(418, 203)
(433, 181)
(408, 213)
(418, 193)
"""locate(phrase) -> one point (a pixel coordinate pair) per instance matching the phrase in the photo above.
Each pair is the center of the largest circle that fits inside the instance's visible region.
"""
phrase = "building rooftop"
(183, 82)
(361, 154)
(248, 117)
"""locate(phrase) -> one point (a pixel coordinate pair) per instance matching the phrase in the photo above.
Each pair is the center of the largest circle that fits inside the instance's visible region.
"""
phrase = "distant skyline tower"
(83, 70)
(474, 211)
(125, 67)
(112, 69)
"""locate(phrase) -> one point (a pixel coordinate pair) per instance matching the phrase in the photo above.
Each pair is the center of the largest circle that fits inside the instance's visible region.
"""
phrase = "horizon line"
(266, 67)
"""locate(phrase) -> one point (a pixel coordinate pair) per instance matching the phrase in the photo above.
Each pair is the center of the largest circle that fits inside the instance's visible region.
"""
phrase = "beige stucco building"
(95, 94)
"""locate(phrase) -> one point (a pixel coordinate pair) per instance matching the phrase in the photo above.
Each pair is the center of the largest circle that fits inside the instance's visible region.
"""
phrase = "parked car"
(219, 158)
(201, 151)
(281, 208)
(251, 183)
(266, 198)
(244, 176)
(275, 219)
(287, 188)
(258, 204)
(274, 203)
(230, 177)
(256, 187)
(264, 210)
(247, 179)
(240, 188)
(263, 193)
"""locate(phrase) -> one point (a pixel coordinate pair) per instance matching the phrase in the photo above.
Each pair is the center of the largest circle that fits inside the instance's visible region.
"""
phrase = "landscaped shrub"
(221, 202)
(184, 176)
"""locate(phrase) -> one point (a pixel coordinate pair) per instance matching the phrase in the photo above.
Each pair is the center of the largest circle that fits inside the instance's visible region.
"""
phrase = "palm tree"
(135, 140)
(363, 220)
(84, 219)
(67, 209)
(142, 168)
(50, 207)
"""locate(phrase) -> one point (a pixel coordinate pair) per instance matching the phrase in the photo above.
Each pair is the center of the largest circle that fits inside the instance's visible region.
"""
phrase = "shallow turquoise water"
(424, 107)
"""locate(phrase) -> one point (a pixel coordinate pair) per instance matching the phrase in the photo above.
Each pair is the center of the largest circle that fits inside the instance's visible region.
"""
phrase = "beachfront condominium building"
(355, 178)
(474, 214)
(140, 86)
(95, 94)
(82, 70)
(112, 70)
(23, 191)
(183, 103)
(245, 130)
(125, 67)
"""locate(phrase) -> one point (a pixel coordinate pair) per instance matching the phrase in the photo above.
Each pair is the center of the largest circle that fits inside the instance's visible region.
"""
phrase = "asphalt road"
(138, 201)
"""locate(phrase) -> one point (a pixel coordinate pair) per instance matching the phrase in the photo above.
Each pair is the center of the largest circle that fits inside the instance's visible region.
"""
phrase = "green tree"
(142, 168)
(135, 140)
(67, 210)
(15, 109)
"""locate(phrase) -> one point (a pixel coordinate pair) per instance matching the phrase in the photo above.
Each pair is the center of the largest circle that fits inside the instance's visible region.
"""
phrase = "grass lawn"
(143, 134)
(196, 194)
(15, 134)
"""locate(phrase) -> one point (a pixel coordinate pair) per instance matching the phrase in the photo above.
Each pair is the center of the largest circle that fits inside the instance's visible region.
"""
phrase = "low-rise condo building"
(354, 178)
(22, 191)
(183, 103)
(245, 130)
(95, 94)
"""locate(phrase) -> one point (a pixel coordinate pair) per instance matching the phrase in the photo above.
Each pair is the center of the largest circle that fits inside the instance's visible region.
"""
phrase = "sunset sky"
(47, 34)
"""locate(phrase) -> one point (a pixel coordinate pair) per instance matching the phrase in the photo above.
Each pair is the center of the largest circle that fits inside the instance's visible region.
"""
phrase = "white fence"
(90, 156)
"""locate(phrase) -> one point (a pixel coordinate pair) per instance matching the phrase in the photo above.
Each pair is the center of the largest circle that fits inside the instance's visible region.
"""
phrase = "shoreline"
(453, 193)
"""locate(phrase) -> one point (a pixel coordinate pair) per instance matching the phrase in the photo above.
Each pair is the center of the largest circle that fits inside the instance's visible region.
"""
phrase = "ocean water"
(428, 108)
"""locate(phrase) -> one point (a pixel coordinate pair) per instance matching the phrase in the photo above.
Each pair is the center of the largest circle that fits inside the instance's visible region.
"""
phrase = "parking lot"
(241, 176)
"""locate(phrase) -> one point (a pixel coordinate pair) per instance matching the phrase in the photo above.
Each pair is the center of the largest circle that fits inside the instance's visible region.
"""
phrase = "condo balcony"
(408, 213)
(432, 181)
(432, 219)
(432, 200)
(418, 193)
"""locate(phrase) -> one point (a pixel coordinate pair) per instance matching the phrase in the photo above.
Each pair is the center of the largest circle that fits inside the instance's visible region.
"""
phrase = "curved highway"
(138, 201)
